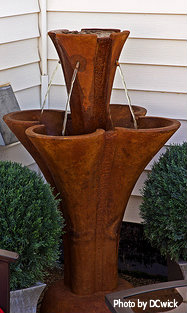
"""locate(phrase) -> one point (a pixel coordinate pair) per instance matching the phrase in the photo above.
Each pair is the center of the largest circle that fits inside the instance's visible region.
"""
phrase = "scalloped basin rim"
(94, 32)
(170, 124)
(124, 108)
(154, 123)
(34, 131)
(136, 108)
(20, 115)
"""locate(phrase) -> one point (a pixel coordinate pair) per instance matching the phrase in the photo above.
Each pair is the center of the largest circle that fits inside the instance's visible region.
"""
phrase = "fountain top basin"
(97, 32)
(93, 52)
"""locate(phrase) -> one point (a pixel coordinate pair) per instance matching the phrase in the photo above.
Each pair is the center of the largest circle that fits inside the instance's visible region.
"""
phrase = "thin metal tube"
(127, 95)
(69, 97)
(49, 86)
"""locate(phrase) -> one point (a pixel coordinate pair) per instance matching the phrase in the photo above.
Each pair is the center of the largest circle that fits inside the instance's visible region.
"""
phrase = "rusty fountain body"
(94, 166)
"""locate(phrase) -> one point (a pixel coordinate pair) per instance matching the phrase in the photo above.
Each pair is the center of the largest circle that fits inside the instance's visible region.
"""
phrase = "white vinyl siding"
(19, 62)
(22, 77)
(157, 26)
(18, 7)
(20, 27)
(142, 77)
(154, 60)
(14, 54)
(147, 51)
(28, 98)
(120, 6)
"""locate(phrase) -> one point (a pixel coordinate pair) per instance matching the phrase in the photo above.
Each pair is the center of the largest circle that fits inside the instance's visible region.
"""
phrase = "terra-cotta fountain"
(94, 166)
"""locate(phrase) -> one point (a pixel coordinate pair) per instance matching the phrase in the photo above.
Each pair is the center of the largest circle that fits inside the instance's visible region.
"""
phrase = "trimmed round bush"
(164, 206)
(31, 223)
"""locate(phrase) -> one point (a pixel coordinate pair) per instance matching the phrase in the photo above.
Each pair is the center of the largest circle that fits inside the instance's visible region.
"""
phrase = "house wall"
(154, 60)
(19, 62)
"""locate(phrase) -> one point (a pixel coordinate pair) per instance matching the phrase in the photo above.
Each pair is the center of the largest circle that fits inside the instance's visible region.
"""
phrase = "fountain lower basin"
(95, 174)
(19, 121)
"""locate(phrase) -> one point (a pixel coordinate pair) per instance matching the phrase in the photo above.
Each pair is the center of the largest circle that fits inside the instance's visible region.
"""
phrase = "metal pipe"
(43, 49)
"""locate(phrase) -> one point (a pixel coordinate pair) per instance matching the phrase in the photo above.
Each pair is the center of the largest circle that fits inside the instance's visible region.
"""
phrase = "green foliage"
(164, 206)
(30, 223)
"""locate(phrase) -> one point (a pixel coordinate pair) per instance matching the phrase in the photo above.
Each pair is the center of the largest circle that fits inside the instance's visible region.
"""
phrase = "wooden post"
(6, 257)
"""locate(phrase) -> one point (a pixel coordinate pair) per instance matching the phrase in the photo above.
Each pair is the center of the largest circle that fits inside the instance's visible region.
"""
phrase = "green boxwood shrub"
(30, 223)
(164, 206)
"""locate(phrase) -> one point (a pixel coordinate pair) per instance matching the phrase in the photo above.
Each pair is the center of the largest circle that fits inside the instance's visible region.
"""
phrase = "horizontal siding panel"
(143, 176)
(139, 184)
(17, 7)
(140, 25)
(180, 135)
(29, 98)
(16, 153)
(1, 140)
(150, 51)
(178, 138)
(141, 77)
(34, 167)
(19, 53)
(155, 158)
(145, 6)
(18, 28)
(21, 77)
(59, 76)
(153, 78)
(146, 51)
(132, 210)
(52, 53)
(157, 103)
(57, 97)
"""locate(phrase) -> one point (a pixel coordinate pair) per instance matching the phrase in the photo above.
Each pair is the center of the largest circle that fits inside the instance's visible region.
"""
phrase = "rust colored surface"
(96, 51)
(94, 167)
(19, 121)
(121, 116)
(58, 298)
(95, 174)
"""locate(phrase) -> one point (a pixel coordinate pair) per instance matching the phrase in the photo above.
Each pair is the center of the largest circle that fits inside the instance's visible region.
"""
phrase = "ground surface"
(136, 279)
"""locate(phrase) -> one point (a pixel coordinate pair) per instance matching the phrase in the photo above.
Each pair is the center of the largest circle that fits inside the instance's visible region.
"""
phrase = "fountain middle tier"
(19, 121)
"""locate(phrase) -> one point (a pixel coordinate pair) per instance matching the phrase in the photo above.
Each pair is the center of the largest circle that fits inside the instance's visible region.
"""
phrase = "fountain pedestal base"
(59, 299)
